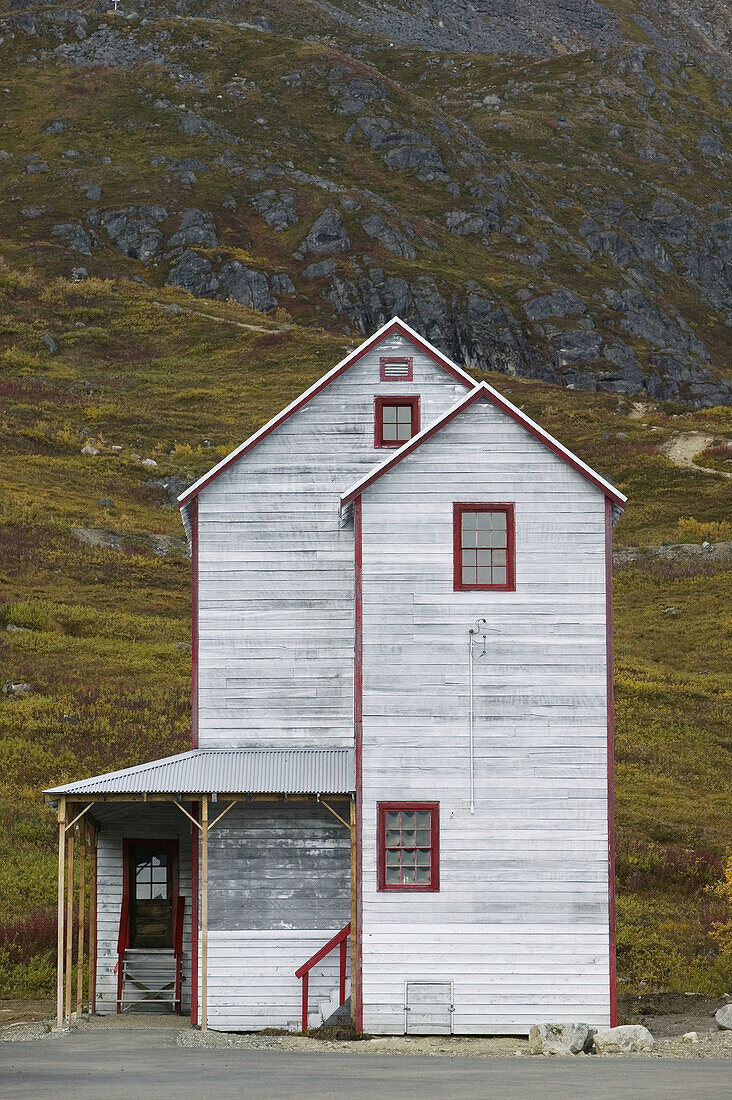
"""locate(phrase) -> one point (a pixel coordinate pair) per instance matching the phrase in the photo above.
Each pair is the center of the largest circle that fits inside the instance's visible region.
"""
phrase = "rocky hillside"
(556, 208)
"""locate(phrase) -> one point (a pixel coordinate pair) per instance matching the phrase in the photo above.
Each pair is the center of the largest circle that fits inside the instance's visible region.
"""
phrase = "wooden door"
(152, 884)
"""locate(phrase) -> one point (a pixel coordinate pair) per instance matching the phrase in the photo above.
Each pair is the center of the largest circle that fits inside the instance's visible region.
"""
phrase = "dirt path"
(681, 449)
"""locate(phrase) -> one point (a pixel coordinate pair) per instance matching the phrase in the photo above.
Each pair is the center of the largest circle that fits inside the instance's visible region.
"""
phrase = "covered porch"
(216, 883)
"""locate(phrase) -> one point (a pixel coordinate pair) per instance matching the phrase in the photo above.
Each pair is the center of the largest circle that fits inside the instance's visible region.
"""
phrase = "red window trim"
(385, 359)
(483, 506)
(433, 808)
(379, 404)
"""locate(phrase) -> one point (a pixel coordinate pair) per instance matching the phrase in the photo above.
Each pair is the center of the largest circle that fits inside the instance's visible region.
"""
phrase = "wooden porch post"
(60, 913)
(93, 919)
(81, 915)
(204, 913)
(69, 921)
(354, 912)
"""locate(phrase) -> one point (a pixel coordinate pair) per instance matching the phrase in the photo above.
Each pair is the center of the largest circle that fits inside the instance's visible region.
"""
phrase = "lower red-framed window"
(484, 547)
(408, 845)
(396, 419)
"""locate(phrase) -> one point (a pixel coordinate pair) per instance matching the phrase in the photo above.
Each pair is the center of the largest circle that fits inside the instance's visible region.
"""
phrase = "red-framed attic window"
(408, 846)
(396, 368)
(396, 419)
(484, 547)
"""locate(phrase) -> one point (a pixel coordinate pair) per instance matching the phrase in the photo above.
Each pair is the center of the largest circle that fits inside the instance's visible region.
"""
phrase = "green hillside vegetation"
(94, 577)
(100, 633)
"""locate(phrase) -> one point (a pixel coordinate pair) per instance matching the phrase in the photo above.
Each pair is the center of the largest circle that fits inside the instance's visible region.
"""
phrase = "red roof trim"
(485, 391)
(395, 325)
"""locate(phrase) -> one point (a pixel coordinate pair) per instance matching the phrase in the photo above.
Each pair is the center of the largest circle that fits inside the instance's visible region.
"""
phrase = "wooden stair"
(148, 980)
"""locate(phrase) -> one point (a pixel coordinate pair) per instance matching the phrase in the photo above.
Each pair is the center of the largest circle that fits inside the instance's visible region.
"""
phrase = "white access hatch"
(428, 1008)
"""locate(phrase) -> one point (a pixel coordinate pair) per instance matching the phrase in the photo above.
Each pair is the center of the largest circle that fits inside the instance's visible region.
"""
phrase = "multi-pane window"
(408, 846)
(484, 546)
(151, 876)
(396, 419)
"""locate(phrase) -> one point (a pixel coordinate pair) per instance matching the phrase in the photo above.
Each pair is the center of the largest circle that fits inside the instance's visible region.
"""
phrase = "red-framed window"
(396, 368)
(408, 845)
(484, 547)
(396, 419)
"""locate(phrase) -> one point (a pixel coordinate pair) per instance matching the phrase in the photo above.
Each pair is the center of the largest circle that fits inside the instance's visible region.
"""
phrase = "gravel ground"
(667, 1016)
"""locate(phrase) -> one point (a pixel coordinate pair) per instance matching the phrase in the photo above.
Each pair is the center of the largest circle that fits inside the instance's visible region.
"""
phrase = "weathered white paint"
(252, 983)
(520, 924)
(276, 596)
(519, 929)
(149, 823)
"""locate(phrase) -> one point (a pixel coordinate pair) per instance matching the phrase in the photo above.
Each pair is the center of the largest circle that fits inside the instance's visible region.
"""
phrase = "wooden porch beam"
(69, 923)
(60, 913)
(92, 987)
(224, 796)
(342, 820)
(78, 816)
(81, 913)
(204, 913)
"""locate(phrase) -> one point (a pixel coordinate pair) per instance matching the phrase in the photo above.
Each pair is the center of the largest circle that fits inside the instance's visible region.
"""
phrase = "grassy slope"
(101, 628)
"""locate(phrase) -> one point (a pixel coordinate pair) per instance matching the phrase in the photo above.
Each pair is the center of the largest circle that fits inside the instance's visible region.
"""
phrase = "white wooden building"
(399, 792)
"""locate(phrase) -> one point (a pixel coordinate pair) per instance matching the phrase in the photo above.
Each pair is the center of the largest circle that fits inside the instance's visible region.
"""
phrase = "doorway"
(151, 884)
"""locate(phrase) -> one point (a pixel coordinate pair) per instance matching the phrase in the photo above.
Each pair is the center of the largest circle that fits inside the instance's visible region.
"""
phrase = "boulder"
(328, 234)
(626, 1039)
(196, 227)
(278, 210)
(193, 273)
(89, 451)
(73, 236)
(320, 270)
(133, 229)
(723, 1016)
(246, 286)
(16, 689)
(49, 344)
(392, 239)
(560, 1038)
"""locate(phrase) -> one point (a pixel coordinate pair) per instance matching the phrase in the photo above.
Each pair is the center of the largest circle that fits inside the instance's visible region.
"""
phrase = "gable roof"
(396, 325)
(487, 393)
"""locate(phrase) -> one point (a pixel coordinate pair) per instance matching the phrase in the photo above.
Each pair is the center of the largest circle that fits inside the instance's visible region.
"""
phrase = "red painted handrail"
(178, 913)
(304, 971)
(123, 937)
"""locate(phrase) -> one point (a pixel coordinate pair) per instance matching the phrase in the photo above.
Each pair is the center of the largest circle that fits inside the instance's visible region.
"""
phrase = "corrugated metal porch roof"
(229, 771)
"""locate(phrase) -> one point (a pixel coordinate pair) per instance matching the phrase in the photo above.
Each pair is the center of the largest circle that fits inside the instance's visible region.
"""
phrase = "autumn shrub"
(693, 530)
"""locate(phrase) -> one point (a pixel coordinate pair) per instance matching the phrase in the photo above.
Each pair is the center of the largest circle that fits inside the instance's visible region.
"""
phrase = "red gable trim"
(483, 390)
(394, 326)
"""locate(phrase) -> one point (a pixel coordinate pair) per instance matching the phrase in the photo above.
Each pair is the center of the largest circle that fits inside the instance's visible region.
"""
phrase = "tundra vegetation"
(204, 207)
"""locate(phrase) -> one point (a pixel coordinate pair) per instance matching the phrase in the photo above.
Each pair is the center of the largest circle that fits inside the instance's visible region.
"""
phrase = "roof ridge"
(396, 324)
(484, 389)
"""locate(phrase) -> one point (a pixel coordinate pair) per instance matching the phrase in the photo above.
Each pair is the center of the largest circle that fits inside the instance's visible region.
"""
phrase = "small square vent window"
(396, 368)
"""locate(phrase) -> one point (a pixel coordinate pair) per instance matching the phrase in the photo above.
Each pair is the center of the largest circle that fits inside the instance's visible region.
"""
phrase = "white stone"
(625, 1039)
(723, 1016)
(690, 1037)
(559, 1038)
(149, 462)
(89, 450)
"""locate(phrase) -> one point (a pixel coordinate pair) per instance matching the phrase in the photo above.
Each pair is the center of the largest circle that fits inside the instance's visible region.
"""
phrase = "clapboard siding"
(148, 823)
(252, 983)
(275, 565)
(520, 923)
(280, 867)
